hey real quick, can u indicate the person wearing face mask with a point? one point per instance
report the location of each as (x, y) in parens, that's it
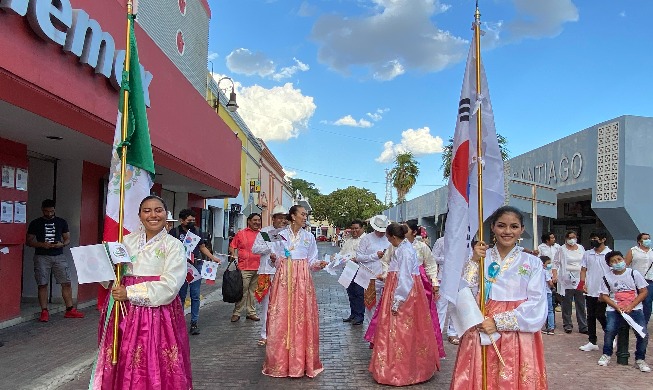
(593, 269)
(550, 318)
(187, 224)
(623, 290)
(567, 262)
(640, 258)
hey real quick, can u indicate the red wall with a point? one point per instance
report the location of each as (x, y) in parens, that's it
(92, 180)
(12, 236)
(40, 77)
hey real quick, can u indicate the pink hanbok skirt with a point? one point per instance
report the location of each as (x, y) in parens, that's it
(428, 290)
(405, 349)
(292, 314)
(522, 352)
(154, 352)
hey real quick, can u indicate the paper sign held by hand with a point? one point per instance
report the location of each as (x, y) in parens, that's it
(209, 270)
(118, 253)
(92, 264)
(190, 242)
(348, 274)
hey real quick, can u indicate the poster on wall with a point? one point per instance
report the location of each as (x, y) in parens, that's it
(20, 212)
(21, 179)
(7, 215)
(8, 176)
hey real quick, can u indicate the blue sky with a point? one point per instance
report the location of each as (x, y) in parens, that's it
(329, 83)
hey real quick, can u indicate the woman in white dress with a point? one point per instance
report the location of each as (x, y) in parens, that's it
(567, 262)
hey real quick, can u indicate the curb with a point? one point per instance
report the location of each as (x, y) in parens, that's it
(66, 373)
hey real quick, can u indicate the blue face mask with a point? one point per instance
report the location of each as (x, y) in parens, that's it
(549, 266)
(646, 243)
(620, 266)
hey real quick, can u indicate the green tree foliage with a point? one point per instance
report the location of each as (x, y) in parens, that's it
(344, 205)
(307, 189)
(447, 154)
(404, 175)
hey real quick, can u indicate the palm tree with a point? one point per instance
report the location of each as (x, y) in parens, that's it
(447, 154)
(404, 174)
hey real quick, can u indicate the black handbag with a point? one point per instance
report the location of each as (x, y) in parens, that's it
(232, 284)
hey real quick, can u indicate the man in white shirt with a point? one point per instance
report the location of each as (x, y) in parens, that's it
(549, 247)
(267, 268)
(369, 253)
(442, 304)
(593, 269)
(354, 291)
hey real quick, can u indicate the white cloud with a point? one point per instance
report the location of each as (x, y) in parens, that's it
(622, 14)
(399, 36)
(540, 19)
(348, 120)
(306, 9)
(389, 71)
(419, 142)
(378, 114)
(288, 71)
(212, 56)
(243, 61)
(275, 114)
(289, 174)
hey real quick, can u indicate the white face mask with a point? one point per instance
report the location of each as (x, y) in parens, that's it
(571, 242)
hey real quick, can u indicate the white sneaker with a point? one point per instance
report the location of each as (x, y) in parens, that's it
(589, 347)
(643, 367)
(605, 359)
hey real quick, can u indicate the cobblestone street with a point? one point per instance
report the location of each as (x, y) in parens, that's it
(226, 356)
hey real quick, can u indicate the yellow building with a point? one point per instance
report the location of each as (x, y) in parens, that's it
(228, 215)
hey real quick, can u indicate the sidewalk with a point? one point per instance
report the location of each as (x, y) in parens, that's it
(42, 356)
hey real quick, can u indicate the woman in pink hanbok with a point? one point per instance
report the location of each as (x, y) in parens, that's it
(153, 351)
(516, 307)
(293, 343)
(405, 348)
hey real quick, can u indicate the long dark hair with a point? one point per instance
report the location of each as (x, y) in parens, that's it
(293, 211)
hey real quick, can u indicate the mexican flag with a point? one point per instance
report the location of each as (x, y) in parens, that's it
(140, 162)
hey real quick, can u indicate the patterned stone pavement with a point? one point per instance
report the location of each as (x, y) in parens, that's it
(225, 355)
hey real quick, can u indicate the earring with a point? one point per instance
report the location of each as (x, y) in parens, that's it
(494, 240)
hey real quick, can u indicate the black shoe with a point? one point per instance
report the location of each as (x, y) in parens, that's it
(348, 319)
(583, 331)
(357, 322)
(194, 329)
(567, 330)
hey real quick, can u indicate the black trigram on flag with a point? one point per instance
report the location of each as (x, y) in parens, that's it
(464, 107)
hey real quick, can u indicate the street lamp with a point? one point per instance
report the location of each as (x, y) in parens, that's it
(231, 106)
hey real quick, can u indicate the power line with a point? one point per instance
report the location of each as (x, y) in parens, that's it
(358, 180)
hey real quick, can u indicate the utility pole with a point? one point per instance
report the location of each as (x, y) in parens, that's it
(388, 188)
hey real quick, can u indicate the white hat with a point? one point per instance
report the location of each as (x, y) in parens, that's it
(279, 209)
(379, 223)
(170, 219)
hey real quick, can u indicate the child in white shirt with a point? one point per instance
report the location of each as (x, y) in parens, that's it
(550, 319)
(623, 290)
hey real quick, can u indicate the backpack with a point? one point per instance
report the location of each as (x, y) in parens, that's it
(232, 284)
(608, 284)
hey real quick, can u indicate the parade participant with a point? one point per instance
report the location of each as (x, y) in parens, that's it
(154, 351)
(567, 262)
(515, 307)
(170, 221)
(48, 235)
(369, 253)
(240, 249)
(355, 292)
(550, 248)
(186, 225)
(442, 305)
(548, 279)
(293, 346)
(405, 348)
(266, 269)
(428, 270)
(623, 290)
(640, 258)
(593, 269)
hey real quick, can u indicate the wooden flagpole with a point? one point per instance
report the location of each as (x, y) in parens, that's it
(479, 169)
(123, 172)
